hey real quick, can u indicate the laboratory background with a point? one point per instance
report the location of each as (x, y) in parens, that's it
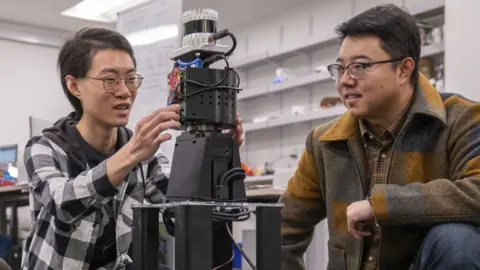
(283, 49)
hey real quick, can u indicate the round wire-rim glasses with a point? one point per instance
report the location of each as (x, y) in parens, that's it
(355, 70)
(111, 84)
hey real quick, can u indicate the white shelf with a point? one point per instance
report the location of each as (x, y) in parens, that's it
(434, 49)
(252, 92)
(264, 192)
(242, 61)
(292, 119)
(258, 178)
(290, 84)
(428, 8)
(429, 50)
(422, 8)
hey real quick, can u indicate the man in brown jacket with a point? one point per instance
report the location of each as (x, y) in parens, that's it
(398, 175)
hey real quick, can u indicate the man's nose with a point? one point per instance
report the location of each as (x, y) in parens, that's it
(123, 90)
(345, 79)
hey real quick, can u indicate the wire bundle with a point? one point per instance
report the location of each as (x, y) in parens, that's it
(208, 61)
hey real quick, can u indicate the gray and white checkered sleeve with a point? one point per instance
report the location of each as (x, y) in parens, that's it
(157, 179)
(67, 198)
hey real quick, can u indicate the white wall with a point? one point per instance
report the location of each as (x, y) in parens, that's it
(461, 48)
(30, 86)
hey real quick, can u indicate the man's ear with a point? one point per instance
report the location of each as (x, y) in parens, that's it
(72, 85)
(405, 69)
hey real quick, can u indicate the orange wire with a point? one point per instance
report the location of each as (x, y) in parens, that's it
(227, 262)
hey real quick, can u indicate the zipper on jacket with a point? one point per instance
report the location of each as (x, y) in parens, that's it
(400, 133)
(360, 255)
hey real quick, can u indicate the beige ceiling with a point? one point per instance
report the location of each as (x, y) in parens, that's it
(43, 13)
(47, 12)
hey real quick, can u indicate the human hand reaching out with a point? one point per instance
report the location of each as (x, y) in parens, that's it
(147, 135)
(359, 214)
(238, 132)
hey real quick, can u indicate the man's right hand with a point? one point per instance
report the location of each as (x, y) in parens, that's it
(147, 135)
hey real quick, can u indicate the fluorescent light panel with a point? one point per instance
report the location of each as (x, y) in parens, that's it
(100, 10)
(153, 35)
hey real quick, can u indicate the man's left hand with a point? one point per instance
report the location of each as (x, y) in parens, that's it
(358, 215)
(238, 132)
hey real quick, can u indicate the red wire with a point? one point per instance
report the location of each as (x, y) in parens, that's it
(227, 262)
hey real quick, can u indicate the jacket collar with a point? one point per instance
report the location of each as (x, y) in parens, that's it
(426, 101)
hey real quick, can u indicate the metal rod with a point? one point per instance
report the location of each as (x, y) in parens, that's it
(193, 238)
(146, 238)
(268, 238)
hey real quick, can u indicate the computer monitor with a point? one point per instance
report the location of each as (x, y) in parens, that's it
(8, 161)
(8, 154)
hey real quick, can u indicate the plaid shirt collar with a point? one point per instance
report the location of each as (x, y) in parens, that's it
(392, 131)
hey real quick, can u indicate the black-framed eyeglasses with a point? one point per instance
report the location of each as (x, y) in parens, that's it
(111, 84)
(355, 70)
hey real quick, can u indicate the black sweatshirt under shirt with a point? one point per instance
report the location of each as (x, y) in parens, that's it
(105, 248)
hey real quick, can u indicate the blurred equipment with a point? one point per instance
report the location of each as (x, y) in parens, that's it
(425, 66)
(430, 34)
(248, 170)
(425, 33)
(321, 69)
(439, 81)
(282, 176)
(282, 75)
(328, 102)
(8, 165)
(8, 154)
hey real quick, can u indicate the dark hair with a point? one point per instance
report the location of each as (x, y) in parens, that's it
(396, 29)
(76, 55)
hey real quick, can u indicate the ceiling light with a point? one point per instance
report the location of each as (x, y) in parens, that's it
(153, 35)
(101, 11)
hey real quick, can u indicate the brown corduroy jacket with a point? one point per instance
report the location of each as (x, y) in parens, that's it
(434, 177)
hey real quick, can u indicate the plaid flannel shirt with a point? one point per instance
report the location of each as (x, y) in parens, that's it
(379, 152)
(67, 210)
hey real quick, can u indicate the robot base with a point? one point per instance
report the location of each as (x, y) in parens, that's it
(194, 236)
(206, 166)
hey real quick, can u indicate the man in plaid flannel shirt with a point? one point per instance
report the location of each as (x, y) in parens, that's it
(88, 170)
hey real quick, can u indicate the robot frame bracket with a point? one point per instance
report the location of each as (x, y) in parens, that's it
(193, 238)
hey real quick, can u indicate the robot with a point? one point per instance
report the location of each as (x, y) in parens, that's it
(206, 191)
(206, 161)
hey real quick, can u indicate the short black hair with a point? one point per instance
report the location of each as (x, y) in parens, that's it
(396, 29)
(76, 55)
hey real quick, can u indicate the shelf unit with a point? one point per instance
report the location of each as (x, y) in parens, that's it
(292, 119)
(433, 49)
(309, 79)
(427, 51)
(431, 9)
(243, 62)
(283, 133)
(290, 84)
(259, 178)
